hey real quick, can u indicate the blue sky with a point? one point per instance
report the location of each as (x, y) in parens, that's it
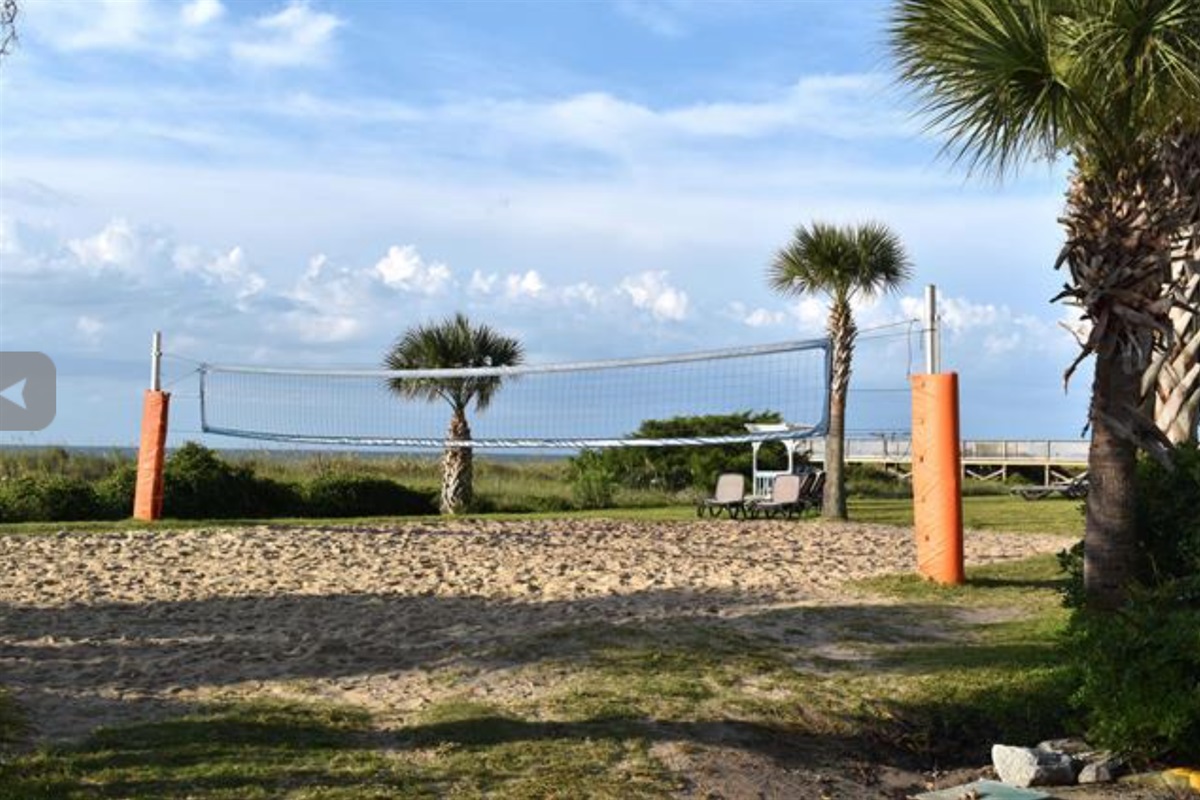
(297, 182)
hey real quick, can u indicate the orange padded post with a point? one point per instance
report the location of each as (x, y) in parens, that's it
(148, 499)
(937, 477)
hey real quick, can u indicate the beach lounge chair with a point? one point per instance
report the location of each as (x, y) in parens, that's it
(729, 497)
(1076, 488)
(785, 499)
(812, 494)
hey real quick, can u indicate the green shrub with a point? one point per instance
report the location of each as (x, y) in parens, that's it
(592, 481)
(1168, 514)
(114, 492)
(672, 469)
(1070, 561)
(363, 496)
(47, 498)
(200, 485)
(1139, 668)
(1139, 672)
(865, 480)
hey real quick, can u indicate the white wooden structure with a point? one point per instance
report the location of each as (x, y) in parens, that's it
(763, 480)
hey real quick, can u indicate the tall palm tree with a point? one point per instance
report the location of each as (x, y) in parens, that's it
(841, 263)
(453, 342)
(1106, 82)
(1173, 380)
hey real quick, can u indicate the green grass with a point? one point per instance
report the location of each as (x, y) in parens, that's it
(12, 722)
(985, 512)
(1000, 513)
(266, 750)
(1004, 679)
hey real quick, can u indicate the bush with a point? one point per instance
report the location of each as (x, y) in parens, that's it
(865, 480)
(672, 469)
(1168, 514)
(1139, 668)
(47, 498)
(363, 496)
(1139, 672)
(592, 481)
(114, 492)
(200, 485)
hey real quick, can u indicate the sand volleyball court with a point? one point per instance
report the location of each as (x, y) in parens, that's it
(107, 628)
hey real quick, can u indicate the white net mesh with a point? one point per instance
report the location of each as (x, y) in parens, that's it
(565, 406)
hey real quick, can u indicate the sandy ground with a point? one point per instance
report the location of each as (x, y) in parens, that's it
(106, 628)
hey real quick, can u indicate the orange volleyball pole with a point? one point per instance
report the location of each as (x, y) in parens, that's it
(148, 496)
(936, 461)
(937, 477)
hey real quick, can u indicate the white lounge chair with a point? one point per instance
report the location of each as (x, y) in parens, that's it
(729, 497)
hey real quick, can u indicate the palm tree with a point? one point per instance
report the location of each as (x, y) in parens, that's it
(453, 342)
(842, 263)
(1111, 83)
(1173, 378)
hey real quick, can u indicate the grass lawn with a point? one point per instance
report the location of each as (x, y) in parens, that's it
(986, 512)
(916, 676)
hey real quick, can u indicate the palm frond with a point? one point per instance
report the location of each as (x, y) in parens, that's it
(993, 76)
(1006, 81)
(840, 261)
(452, 343)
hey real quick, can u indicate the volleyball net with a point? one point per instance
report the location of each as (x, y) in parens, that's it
(593, 404)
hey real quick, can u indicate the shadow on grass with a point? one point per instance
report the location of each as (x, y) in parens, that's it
(271, 750)
(1049, 584)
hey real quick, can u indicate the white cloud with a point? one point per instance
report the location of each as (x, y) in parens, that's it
(123, 25)
(846, 106)
(995, 329)
(72, 25)
(584, 293)
(296, 36)
(119, 246)
(528, 285)
(650, 291)
(329, 303)
(229, 269)
(756, 318)
(404, 269)
(482, 284)
(811, 313)
(201, 12)
(761, 317)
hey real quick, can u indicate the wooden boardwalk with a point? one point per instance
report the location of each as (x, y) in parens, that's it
(984, 459)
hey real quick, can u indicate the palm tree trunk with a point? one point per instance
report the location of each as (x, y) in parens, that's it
(458, 468)
(1110, 537)
(841, 332)
(1119, 231)
(1173, 379)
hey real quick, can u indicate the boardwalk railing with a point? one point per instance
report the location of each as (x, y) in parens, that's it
(981, 458)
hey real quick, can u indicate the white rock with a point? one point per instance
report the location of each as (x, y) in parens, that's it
(1102, 771)
(1070, 746)
(1025, 766)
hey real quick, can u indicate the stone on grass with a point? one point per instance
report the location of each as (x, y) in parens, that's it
(1026, 766)
(1100, 768)
(1071, 746)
